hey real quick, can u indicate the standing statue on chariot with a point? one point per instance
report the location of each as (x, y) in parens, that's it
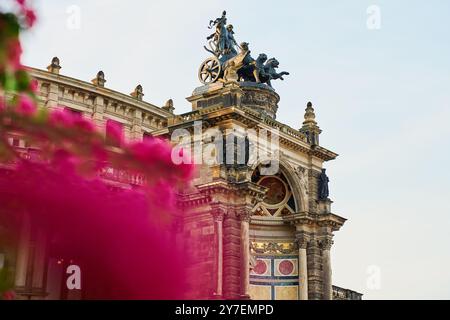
(231, 42)
(221, 42)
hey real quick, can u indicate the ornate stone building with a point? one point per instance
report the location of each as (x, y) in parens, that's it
(262, 236)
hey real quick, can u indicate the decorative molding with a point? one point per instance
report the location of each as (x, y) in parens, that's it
(218, 213)
(326, 243)
(302, 240)
(273, 247)
(243, 213)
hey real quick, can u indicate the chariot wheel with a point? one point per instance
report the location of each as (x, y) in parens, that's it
(209, 70)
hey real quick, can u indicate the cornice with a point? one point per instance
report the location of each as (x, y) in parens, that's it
(105, 92)
(288, 136)
(322, 220)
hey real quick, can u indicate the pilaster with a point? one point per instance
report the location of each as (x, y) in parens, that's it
(302, 242)
(314, 259)
(218, 216)
(325, 244)
(244, 214)
(232, 285)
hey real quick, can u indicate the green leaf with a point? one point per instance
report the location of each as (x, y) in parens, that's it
(22, 80)
(9, 82)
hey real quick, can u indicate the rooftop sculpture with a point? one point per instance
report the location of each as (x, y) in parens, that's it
(227, 64)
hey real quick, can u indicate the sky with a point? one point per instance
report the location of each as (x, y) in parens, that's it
(379, 84)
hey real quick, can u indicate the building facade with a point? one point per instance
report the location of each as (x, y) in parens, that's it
(261, 236)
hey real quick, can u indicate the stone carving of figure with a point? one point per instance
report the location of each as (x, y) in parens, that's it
(323, 186)
(232, 66)
(220, 36)
(231, 42)
(304, 183)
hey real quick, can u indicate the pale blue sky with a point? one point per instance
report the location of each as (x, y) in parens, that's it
(382, 98)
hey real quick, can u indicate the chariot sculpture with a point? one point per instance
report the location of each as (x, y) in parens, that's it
(227, 64)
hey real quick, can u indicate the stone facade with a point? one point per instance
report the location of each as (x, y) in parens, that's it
(290, 239)
(262, 237)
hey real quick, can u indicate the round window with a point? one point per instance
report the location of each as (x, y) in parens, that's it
(277, 190)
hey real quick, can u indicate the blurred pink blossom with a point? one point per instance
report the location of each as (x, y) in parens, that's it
(26, 105)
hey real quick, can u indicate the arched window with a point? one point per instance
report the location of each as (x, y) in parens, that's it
(279, 199)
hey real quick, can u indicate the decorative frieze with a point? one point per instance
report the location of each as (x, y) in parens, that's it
(273, 247)
(98, 102)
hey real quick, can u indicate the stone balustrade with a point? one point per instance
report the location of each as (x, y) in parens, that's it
(345, 294)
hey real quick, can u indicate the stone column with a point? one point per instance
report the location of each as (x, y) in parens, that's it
(302, 242)
(218, 215)
(315, 276)
(40, 257)
(31, 263)
(232, 274)
(325, 245)
(244, 216)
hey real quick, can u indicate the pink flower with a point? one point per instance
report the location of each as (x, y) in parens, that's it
(26, 105)
(66, 118)
(84, 124)
(33, 85)
(158, 152)
(93, 225)
(9, 295)
(64, 161)
(14, 50)
(114, 132)
(100, 156)
(61, 118)
(30, 17)
(151, 149)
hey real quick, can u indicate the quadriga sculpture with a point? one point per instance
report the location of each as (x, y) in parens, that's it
(227, 64)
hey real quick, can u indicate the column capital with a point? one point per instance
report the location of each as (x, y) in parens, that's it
(326, 243)
(218, 213)
(243, 214)
(302, 239)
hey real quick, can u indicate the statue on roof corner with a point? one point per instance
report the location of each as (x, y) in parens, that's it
(227, 64)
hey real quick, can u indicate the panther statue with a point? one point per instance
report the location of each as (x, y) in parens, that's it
(271, 73)
(261, 70)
